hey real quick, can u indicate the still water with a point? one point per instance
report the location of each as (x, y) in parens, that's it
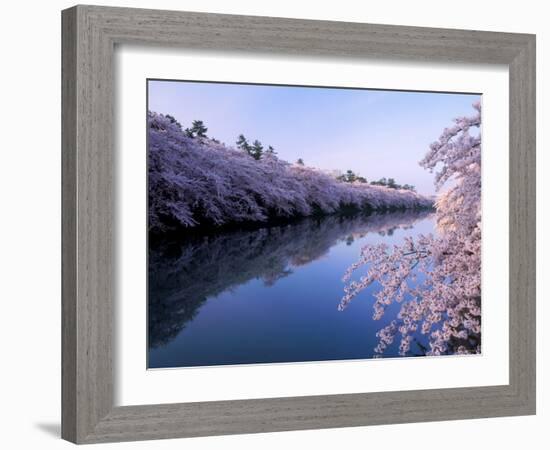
(271, 295)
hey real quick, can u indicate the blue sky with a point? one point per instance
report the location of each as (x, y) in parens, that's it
(374, 133)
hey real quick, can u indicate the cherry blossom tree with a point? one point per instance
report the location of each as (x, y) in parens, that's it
(436, 278)
(196, 181)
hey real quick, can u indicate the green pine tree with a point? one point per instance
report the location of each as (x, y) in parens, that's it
(257, 149)
(197, 129)
(172, 119)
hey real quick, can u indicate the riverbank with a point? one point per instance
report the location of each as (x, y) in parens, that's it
(179, 232)
(197, 181)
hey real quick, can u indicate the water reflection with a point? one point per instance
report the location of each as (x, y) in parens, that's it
(184, 275)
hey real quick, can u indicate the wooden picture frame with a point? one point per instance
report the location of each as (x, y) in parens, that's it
(90, 34)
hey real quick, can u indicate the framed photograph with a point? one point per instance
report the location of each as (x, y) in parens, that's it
(278, 224)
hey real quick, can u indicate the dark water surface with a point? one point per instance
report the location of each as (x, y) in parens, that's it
(270, 295)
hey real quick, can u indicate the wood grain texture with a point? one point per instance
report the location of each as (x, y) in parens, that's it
(68, 226)
(89, 36)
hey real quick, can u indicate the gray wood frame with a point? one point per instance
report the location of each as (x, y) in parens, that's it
(89, 36)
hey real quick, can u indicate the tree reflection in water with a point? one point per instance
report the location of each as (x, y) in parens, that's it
(184, 274)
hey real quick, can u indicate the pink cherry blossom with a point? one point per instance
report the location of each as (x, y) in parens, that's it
(446, 304)
(199, 181)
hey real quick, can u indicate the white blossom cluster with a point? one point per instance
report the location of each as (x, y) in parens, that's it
(446, 304)
(196, 180)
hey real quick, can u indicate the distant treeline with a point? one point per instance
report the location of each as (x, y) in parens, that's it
(351, 177)
(257, 150)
